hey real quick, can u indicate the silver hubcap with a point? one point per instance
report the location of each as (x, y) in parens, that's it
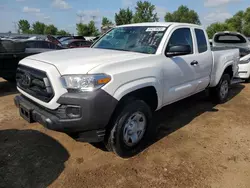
(134, 129)
(224, 89)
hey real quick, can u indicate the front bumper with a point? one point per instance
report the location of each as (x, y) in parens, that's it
(96, 109)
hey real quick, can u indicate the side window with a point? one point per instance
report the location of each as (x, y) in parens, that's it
(30, 44)
(51, 45)
(45, 44)
(201, 40)
(181, 36)
(78, 44)
(73, 44)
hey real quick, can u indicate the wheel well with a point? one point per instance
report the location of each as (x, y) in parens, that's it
(147, 94)
(229, 70)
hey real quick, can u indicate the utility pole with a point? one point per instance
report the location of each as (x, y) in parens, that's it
(81, 16)
(15, 26)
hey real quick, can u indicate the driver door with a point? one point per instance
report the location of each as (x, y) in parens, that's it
(179, 71)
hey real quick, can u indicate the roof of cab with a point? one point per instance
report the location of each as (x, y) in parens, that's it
(158, 24)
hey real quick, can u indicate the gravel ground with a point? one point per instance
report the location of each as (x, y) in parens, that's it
(198, 144)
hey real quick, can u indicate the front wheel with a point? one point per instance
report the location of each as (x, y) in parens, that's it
(220, 93)
(130, 129)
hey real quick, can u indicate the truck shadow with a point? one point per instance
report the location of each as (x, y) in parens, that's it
(7, 88)
(29, 158)
(175, 116)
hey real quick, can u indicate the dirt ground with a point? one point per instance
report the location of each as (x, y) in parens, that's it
(198, 144)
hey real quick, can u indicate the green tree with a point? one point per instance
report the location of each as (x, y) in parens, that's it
(106, 22)
(24, 26)
(145, 12)
(246, 27)
(124, 16)
(236, 22)
(217, 27)
(240, 22)
(183, 14)
(50, 30)
(87, 29)
(62, 32)
(82, 29)
(92, 30)
(38, 28)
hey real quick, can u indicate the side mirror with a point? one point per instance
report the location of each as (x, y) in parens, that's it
(178, 50)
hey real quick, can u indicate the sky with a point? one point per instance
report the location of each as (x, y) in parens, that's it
(64, 14)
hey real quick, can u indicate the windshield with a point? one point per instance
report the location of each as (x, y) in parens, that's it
(66, 42)
(141, 39)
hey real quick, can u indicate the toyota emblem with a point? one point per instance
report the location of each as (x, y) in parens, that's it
(26, 80)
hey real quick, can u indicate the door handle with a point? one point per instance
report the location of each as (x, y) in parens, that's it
(194, 63)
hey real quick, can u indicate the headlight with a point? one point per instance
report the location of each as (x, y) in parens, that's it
(85, 82)
(244, 61)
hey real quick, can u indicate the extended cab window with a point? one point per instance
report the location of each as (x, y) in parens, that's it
(181, 36)
(201, 40)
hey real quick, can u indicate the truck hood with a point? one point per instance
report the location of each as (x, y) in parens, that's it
(82, 60)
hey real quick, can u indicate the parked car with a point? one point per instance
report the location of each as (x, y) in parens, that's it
(11, 52)
(71, 37)
(107, 93)
(237, 40)
(61, 37)
(41, 44)
(65, 38)
(76, 43)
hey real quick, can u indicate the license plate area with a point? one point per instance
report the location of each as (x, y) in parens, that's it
(26, 112)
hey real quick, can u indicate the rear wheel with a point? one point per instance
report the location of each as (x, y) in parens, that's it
(130, 128)
(219, 94)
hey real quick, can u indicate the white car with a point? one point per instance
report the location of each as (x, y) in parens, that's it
(108, 93)
(244, 68)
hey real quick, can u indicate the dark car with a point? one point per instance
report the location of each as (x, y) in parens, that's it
(42, 44)
(11, 52)
(70, 38)
(77, 43)
(61, 37)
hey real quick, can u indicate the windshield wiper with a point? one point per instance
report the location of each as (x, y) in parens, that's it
(121, 50)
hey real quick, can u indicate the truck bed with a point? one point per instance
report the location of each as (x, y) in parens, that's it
(243, 51)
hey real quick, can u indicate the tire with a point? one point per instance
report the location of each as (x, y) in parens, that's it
(247, 80)
(219, 94)
(122, 139)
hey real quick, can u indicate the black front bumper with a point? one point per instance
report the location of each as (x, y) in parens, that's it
(96, 109)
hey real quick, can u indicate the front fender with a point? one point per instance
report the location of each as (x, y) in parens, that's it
(131, 86)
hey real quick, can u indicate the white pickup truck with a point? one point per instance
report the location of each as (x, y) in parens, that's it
(107, 93)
